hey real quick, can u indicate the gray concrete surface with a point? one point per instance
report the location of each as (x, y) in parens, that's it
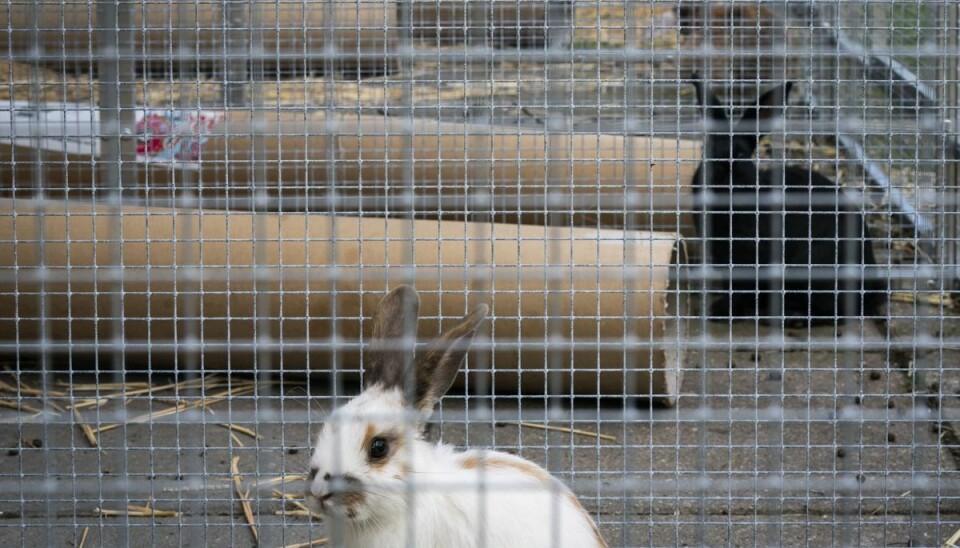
(642, 489)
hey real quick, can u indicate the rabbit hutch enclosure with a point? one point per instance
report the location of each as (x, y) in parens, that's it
(721, 314)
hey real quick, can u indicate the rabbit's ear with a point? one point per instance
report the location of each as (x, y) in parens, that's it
(393, 344)
(706, 98)
(438, 367)
(769, 105)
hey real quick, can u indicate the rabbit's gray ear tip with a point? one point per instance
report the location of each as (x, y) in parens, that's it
(405, 292)
(476, 316)
(479, 312)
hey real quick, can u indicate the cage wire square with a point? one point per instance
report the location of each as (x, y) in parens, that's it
(203, 204)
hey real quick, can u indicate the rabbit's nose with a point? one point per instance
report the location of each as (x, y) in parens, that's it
(321, 490)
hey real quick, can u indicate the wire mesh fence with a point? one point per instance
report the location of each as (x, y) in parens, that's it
(720, 314)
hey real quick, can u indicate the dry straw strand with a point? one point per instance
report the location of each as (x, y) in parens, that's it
(241, 429)
(183, 406)
(20, 406)
(564, 429)
(244, 497)
(86, 429)
(134, 511)
(318, 542)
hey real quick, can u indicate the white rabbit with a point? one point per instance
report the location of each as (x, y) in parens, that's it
(384, 485)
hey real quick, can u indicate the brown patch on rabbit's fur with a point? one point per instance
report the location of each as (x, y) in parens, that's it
(394, 439)
(351, 499)
(596, 532)
(368, 437)
(477, 460)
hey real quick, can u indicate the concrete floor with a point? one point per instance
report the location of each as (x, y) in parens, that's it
(811, 479)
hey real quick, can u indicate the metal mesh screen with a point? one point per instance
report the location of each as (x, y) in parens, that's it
(202, 204)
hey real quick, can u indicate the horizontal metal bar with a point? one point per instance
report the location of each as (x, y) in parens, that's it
(555, 197)
(913, 409)
(479, 53)
(232, 278)
(626, 344)
(679, 484)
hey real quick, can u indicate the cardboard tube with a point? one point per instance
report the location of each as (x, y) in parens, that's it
(609, 287)
(288, 27)
(529, 177)
(163, 27)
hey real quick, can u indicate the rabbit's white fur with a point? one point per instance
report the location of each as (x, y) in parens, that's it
(456, 496)
(424, 494)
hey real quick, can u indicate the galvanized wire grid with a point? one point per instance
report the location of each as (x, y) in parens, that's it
(151, 394)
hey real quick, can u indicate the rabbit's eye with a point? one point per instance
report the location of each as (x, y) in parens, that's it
(378, 448)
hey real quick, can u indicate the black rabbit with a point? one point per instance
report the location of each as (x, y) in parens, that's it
(783, 216)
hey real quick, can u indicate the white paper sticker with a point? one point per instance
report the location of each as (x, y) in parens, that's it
(167, 136)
